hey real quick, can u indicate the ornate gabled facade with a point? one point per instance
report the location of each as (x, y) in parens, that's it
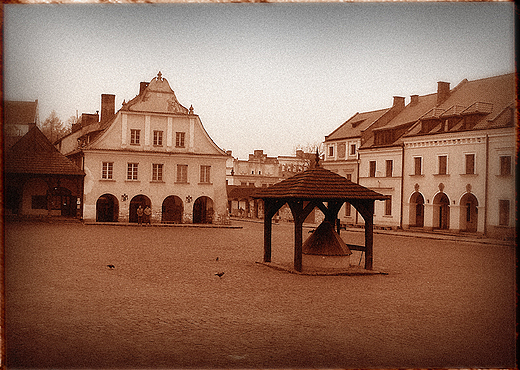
(152, 152)
(446, 161)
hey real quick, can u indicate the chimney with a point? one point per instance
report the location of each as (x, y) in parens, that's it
(108, 106)
(414, 99)
(143, 87)
(398, 103)
(443, 92)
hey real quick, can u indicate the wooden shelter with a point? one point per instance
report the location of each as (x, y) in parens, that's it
(317, 187)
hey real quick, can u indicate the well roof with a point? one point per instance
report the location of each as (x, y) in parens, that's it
(317, 183)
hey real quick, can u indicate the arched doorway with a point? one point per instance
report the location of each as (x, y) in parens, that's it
(469, 213)
(61, 200)
(138, 200)
(203, 210)
(172, 210)
(107, 208)
(416, 210)
(441, 214)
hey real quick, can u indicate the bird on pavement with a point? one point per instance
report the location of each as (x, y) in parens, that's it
(111, 266)
(219, 274)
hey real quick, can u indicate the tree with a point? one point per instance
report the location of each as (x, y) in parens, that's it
(310, 147)
(53, 128)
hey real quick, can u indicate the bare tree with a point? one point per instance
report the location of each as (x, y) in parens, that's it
(54, 128)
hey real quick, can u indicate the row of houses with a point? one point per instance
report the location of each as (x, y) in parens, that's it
(445, 161)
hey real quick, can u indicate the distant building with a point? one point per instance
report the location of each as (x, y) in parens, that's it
(243, 177)
(152, 152)
(446, 160)
(18, 118)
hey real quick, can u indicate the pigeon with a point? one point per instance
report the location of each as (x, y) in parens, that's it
(216, 259)
(219, 274)
(111, 266)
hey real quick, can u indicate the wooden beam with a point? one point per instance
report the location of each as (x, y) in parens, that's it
(271, 206)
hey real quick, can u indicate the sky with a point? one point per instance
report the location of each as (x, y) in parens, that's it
(260, 76)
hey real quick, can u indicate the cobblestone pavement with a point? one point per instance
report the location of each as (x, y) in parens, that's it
(444, 303)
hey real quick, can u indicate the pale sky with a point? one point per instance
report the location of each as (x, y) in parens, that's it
(260, 76)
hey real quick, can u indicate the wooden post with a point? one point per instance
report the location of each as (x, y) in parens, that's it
(268, 227)
(369, 236)
(297, 212)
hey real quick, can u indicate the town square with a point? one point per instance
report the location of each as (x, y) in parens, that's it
(259, 186)
(445, 302)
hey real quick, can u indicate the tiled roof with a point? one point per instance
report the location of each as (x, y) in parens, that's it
(20, 112)
(240, 192)
(356, 124)
(34, 154)
(317, 183)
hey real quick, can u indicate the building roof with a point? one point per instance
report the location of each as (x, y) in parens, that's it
(355, 125)
(491, 100)
(20, 112)
(34, 154)
(240, 192)
(317, 183)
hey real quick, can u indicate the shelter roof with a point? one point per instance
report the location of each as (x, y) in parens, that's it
(34, 154)
(240, 192)
(317, 183)
(355, 125)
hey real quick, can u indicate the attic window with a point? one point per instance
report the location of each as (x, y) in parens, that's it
(356, 123)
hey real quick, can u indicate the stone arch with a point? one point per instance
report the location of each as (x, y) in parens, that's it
(416, 212)
(138, 200)
(441, 211)
(469, 213)
(107, 208)
(172, 210)
(203, 210)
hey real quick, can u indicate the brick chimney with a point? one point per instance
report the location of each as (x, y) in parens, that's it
(108, 106)
(398, 103)
(414, 99)
(443, 92)
(143, 87)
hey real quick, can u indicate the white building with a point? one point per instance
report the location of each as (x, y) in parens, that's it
(152, 152)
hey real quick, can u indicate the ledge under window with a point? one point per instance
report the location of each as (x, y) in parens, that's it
(416, 175)
(157, 182)
(205, 183)
(107, 180)
(132, 180)
(469, 174)
(441, 174)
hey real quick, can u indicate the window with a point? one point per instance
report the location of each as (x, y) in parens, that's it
(108, 170)
(372, 169)
(179, 139)
(157, 138)
(505, 165)
(132, 171)
(388, 206)
(342, 149)
(503, 206)
(389, 167)
(331, 151)
(205, 174)
(443, 165)
(157, 172)
(470, 164)
(135, 137)
(352, 149)
(347, 209)
(182, 173)
(417, 165)
(349, 176)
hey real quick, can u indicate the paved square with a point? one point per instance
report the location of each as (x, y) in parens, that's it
(442, 304)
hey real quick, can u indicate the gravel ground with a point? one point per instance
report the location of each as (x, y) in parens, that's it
(443, 303)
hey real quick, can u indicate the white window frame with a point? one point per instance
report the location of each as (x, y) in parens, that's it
(107, 170)
(182, 174)
(180, 139)
(135, 137)
(439, 164)
(158, 138)
(132, 172)
(415, 167)
(205, 174)
(474, 163)
(157, 172)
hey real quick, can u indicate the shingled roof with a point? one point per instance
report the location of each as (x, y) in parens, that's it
(317, 183)
(34, 154)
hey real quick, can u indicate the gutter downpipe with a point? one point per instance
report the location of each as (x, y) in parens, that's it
(486, 186)
(357, 182)
(402, 187)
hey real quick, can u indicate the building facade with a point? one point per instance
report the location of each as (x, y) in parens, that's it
(446, 160)
(152, 152)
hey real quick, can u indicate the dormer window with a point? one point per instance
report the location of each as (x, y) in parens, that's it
(135, 137)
